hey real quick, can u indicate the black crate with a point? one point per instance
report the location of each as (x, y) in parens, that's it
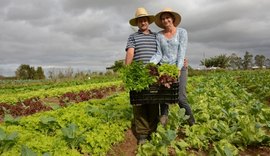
(156, 95)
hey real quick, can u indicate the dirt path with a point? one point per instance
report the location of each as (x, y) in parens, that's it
(128, 147)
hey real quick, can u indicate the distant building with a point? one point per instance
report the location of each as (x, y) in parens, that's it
(257, 67)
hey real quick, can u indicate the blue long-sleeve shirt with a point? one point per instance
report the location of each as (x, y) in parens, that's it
(173, 50)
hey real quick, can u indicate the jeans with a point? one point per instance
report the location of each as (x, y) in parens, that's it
(183, 103)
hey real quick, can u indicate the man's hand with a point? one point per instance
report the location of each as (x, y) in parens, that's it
(186, 63)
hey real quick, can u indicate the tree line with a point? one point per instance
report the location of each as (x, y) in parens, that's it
(26, 72)
(235, 62)
(222, 61)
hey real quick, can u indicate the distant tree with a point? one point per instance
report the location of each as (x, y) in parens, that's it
(260, 60)
(32, 73)
(247, 61)
(80, 75)
(108, 73)
(267, 63)
(235, 61)
(68, 73)
(117, 65)
(51, 74)
(207, 62)
(39, 73)
(60, 75)
(23, 72)
(221, 61)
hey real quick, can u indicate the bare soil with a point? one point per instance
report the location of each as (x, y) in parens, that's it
(128, 147)
(255, 151)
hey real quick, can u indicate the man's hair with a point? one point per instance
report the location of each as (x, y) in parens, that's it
(142, 17)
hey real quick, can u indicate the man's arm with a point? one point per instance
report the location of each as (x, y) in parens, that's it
(129, 56)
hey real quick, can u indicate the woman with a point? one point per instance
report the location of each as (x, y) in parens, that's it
(171, 48)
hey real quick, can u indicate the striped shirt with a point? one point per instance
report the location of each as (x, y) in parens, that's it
(144, 45)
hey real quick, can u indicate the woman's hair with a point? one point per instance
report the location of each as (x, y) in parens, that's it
(172, 16)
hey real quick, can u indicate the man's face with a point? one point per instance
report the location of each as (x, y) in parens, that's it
(142, 23)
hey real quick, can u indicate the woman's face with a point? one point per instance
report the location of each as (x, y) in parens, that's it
(167, 19)
(143, 23)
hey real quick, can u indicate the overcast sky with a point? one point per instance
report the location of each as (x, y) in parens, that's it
(92, 34)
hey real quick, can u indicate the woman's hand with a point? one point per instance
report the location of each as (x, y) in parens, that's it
(186, 63)
(179, 73)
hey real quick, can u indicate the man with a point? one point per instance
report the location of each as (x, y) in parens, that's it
(141, 46)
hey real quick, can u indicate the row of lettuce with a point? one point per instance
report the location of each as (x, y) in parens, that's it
(19, 85)
(256, 82)
(18, 96)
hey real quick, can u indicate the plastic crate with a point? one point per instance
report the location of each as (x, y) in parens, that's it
(156, 94)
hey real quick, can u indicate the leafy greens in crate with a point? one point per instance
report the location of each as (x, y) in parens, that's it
(138, 76)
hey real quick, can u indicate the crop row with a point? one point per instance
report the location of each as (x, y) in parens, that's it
(43, 93)
(256, 82)
(28, 85)
(34, 105)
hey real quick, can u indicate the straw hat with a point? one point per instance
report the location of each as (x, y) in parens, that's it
(177, 17)
(141, 12)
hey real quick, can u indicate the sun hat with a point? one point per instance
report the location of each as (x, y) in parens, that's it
(177, 17)
(141, 12)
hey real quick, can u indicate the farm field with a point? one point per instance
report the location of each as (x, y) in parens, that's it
(231, 108)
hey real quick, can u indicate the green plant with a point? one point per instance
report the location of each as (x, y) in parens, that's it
(136, 76)
(72, 136)
(7, 140)
(9, 119)
(48, 125)
(168, 69)
(25, 151)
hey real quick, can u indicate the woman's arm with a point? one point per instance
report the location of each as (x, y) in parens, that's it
(182, 47)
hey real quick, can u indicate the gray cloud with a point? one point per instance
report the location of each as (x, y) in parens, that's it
(92, 34)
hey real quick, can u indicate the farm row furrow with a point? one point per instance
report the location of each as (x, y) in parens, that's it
(44, 93)
(35, 105)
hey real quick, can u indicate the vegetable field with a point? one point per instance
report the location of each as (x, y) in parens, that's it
(231, 108)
